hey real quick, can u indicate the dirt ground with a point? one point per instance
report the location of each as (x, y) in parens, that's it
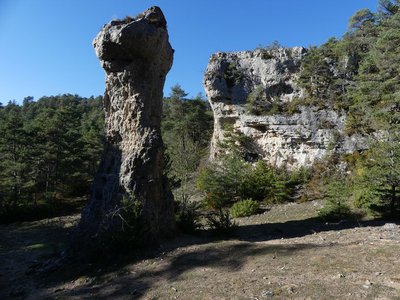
(285, 253)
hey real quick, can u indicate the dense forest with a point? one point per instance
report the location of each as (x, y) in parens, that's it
(49, 149)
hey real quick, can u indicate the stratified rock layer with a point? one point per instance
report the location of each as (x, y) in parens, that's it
(136, 55)
(289, 140)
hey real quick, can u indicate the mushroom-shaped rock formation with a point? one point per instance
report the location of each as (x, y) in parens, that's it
(136, 56)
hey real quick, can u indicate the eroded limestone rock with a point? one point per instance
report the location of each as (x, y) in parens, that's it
(136, 56)
(290, 140)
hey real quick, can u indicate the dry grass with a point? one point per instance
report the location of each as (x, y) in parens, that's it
(283, 254)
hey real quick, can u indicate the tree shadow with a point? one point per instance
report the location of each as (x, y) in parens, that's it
(133, 284)
(25, 248)
(204, 251)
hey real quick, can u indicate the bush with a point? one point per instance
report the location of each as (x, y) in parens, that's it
(221, 181)
(220, 222)
(336, 208)
(335, 211)
(187, 216)
(322, 172)
(232, 75)
(256, 102)
(129, 230)
(233, 179)
(244, 208)
(271, 185)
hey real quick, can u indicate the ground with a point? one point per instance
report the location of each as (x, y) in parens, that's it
(284, 253)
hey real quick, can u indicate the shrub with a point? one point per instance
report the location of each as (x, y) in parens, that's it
(271, 185)
(335, 211)
(322, 172)
(233, 75)
(244, 208)
(188, 215)
(256, 102)
(336, 208)
(221, 181)
(127, 229)
(233, 179)
(220, 222)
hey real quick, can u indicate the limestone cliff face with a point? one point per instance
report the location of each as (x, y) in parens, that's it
(232, 80)
(136, 56)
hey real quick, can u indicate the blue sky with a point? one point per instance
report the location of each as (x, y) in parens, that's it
(45, 45)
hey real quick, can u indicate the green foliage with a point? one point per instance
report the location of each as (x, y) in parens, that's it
(361, 19)
(129, 214)
(190, 117)
(326, 73)
(263, 183)
(127, 231)
(256, 103)
(378, 177)
(221, 182)
(49, 150)
(321, 174)
(374, 109)
(186, 127)
(388, 8)
(232, 179)
(188, 215)
(221, 223)
(244, 208)
(272, 185)
(336, 207)
(335, 211)
(268, 51)
(233, 75)
(235, 142)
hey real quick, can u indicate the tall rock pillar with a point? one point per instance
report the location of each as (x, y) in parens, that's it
(136, 56)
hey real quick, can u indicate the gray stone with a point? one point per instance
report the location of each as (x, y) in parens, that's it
(390, 226)
(280, 139)
(136, 56)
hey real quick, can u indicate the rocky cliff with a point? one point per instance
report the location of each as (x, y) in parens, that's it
(246, 88)
(136, 56)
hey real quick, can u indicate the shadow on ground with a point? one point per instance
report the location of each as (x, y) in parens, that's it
(173, 260)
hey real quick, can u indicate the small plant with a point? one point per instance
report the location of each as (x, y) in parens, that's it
(233, 75)
(220, 222)
(256, 103)
(336, 208)
(187, 215)
(244, 208)
(128, 19)
(220, 182)
(335, 211)
(129, 229)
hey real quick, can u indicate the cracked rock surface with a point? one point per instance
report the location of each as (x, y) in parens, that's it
(289, 140)
(136, 56)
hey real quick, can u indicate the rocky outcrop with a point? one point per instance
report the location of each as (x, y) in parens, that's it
(136, 56)
(265, 79)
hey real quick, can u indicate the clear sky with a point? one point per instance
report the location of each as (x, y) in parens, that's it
(45, 45)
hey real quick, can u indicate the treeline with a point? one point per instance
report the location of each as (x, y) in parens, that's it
(187, 127)
(49, 150)
(360, 75)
